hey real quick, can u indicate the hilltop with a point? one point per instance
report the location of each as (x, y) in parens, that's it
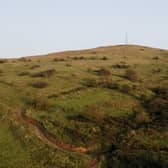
(102, 107)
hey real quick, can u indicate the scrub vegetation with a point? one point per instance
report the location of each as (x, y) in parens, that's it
(99, 108)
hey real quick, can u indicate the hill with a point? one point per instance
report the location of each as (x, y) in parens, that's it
(102, 107)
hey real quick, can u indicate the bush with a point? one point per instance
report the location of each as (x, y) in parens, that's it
(58, 59)
(121, 66)
(25, 73)
(110, 84)
(39, 84)
(2, 61)
(131, 75)
(91, 82)
(45, 74)
(103, 72)
(23, 59)
(126, 88)
(157, 105)
(39, 102)
(161, 91)
(104, 58)
(35, 66)
(142, 117)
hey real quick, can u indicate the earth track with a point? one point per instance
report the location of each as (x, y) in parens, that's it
(52, 140)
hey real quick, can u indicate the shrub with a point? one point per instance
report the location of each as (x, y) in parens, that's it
(110, 84)
(155, 58)
(121, 66)
(103, 72)
(38, 102)
(91, 82)
(25, 73)
(131, 75)
(142, 117)
(2, 61)
(23, 59)
(39, 84)
(68, 65)
(126, 88)
(161, 91)
(58, 59)
(157, 105)
(104, 58)
(35, 66)
(45, 74)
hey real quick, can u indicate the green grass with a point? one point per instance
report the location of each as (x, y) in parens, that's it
(95, 117)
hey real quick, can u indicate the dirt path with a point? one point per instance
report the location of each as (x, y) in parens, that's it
(52, 140)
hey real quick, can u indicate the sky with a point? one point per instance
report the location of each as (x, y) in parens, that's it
(34, 27)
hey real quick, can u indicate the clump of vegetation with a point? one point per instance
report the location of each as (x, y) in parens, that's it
(121, 66)
(25, 73)
(39, 84)
(23, 59)
(58, 59)
(104, 58)
(68, 65)
(131, 75)
(90, 82)
(38, 102)
(35, 66)
(109, 83)
(103, 72)
(2, 61)
(45, 74)
(156, 58)
(126, 88)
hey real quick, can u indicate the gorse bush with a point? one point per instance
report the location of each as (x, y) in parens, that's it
(103, 72)
(90, 82)
(2, 61)
(35, 66)
(25, 73)
(38, 102)
(58, 59)
(39, 84)
(131, 75)
(121, 66)
(125, 88)
(45, 74)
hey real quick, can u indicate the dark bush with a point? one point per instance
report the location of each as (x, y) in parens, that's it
(156, 105)
(45, 74)
(58, 59)
(104, 58)
(103, 72)
(2, 61)
(161, 91)
(110, 84)
(131, 75)
(39, 84)
(35, 66)
(38, 102)
(90, 82)
(155, 58)
(121, 66)
(125, 88)
(23, 59)
(25, 73)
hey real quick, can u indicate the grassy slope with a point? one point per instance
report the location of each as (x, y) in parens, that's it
(70, 73)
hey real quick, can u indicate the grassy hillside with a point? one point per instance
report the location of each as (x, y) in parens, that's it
(103, 107)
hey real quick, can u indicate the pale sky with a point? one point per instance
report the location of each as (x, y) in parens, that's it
(32, 27)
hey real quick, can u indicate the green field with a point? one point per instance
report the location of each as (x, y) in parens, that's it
(111, 103)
